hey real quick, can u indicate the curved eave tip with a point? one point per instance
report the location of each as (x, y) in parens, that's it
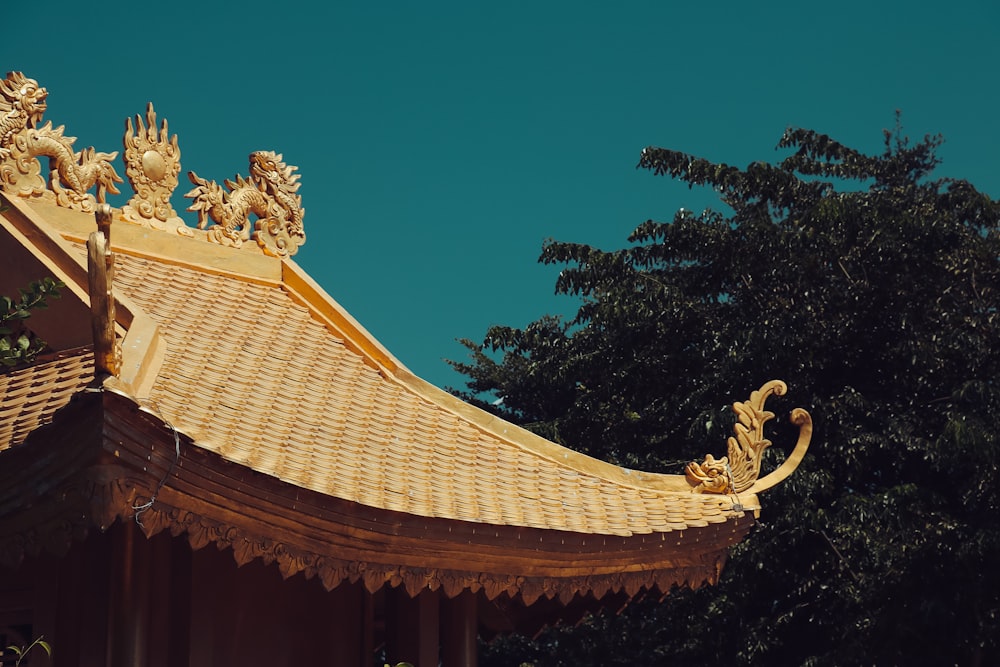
(803, 420)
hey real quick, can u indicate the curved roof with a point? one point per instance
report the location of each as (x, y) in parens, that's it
(286, 407)
(257, 378)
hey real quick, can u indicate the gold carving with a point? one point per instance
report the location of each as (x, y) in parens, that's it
(152, 163)
(152, 159)
(739, 469)
(23, 142)
(270, 194)
(22, 105)
(101, 275)
(709, 476)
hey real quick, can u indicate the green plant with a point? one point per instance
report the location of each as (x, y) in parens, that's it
(18, 344)
(22, 651)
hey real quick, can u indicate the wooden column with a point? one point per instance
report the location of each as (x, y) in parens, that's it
(459, 630)
(412, 627)
(367, 637)
(170, 601)
(128, 620)
(348, 624)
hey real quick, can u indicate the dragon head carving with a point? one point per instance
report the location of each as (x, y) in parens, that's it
(270, 174)
(24, 97)
(738, 471)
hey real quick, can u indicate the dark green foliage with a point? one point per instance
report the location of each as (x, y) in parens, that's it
(18, 345)
(872, 288)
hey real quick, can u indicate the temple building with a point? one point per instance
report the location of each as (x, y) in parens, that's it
(212, 463)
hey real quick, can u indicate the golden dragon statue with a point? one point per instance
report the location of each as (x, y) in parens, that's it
(271, 194)
(23, 141)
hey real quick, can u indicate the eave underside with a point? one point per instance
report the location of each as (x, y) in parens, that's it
(98, 469)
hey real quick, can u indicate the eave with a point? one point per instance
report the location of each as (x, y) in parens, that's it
(111, 467)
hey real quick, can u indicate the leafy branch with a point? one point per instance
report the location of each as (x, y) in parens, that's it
(19, 345)
(21, 652)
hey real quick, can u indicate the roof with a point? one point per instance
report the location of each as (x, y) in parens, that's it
(250, 410)
(32, 394)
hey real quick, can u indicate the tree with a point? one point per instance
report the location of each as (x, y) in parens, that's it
(872, 288)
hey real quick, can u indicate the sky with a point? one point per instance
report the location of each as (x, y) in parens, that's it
(439, 144)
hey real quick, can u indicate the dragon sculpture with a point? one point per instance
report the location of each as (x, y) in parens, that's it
(22, 142)
(738, 471)
(270, 194)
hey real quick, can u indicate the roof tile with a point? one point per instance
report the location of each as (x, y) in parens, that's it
(280, 392)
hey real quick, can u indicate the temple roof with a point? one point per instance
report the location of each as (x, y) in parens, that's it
(248, 405)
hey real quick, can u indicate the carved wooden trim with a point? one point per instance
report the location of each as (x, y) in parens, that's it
(106, 497)
(332, 571)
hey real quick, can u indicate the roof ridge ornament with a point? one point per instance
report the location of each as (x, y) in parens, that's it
(23, 141)
(738, 471)
(271, 193)
(152, 163)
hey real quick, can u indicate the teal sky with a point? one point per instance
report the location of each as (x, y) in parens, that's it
(440, 143)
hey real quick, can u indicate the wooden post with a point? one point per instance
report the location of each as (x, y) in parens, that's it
(412, 627)
(128, 626)
(100, 270)
(459, 621)
(347, 624)
(367, 637)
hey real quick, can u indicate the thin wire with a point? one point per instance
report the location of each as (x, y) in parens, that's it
(141, 509)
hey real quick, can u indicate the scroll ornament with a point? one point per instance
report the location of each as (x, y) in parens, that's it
(738, 471)
(23, 142)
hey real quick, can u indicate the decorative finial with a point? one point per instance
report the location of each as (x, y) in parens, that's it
(101, 273)
(153, 162)
(738, 471)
